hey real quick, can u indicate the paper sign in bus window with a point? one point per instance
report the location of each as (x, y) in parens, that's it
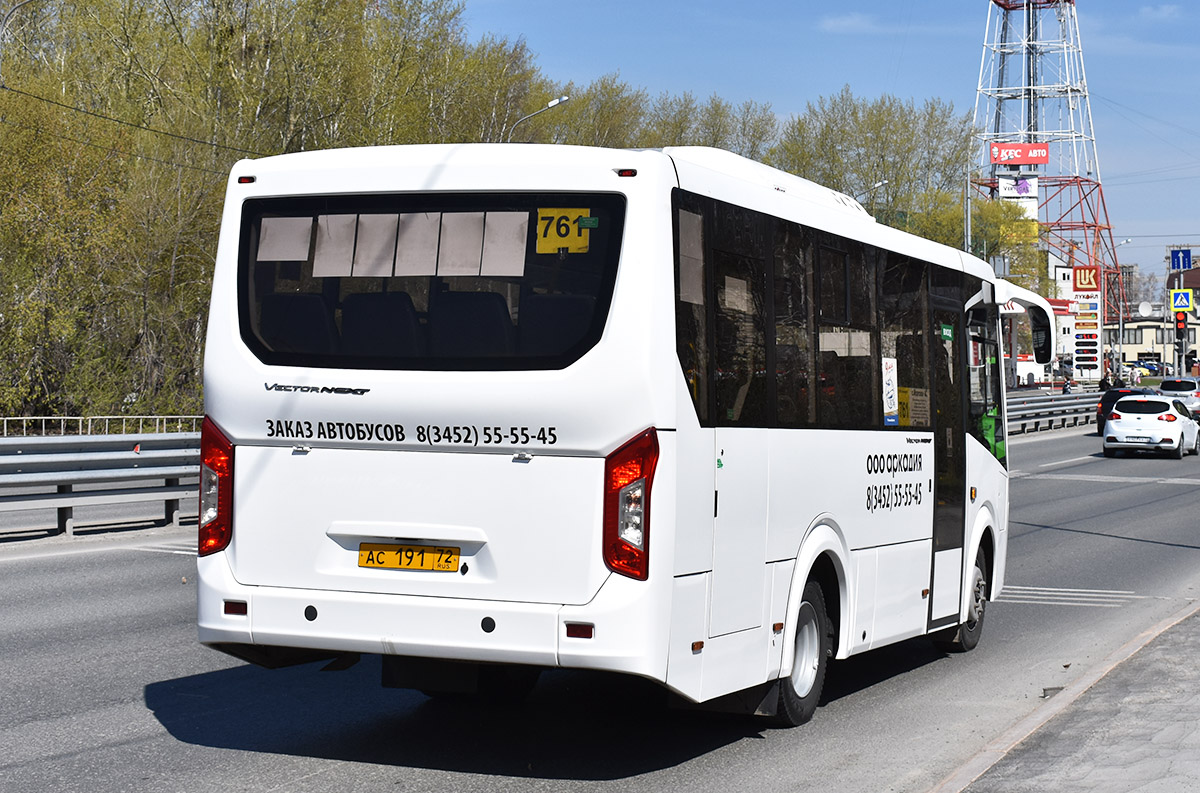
(504, 237)
(461, 248)
(736, 295)
(335, 245)
(891, 395)
(566, 229)
(691, 258)
(285, 239)
(375, 248)
(417, 243)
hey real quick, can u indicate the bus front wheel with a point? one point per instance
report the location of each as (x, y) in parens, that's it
(966, 636)
(800, 692)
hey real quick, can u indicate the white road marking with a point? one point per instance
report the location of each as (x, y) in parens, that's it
(182, 546)
(1123, 480)
(165, 550)
(1057, 596)
(1064, 462)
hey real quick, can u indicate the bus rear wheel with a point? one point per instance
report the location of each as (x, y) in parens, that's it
(800, 692)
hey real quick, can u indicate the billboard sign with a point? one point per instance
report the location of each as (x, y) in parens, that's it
(1019, 153)
(1009, 187)
(1086, 277)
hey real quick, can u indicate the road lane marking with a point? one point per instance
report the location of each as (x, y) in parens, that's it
(1124, 480)
(165, 550)
(183, 547)
(1058, 596)
(1064, 462)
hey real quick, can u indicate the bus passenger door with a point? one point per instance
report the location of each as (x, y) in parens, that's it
(949, 457)
(742, 412)
(739, 530)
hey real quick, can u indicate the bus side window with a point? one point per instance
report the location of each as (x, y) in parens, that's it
(795, 396)
(741, 341)
(850, 395)
(691, 311)
(986, 420)
(903, 318)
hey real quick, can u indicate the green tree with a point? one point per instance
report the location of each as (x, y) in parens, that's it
(852, 145)
(123, 118)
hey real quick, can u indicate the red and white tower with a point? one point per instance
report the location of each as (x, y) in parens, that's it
(1040, 150)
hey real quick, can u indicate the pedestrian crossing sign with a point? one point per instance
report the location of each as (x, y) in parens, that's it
(1181, 300)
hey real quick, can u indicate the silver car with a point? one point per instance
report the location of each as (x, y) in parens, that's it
(1151, 423)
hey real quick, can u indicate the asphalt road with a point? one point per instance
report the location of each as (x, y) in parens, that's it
(105, 688)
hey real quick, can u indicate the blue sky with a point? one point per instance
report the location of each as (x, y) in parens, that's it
(1143, 74)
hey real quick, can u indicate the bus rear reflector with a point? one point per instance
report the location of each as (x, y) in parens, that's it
(628, 477)
(216, 489)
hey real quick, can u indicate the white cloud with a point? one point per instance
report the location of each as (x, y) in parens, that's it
(1161, 13)
(850, 23)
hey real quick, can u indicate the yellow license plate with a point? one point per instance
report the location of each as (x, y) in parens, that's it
(439, 559)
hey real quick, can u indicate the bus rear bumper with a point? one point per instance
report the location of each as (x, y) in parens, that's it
(333, 623)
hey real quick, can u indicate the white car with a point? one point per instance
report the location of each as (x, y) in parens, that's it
(1151, 423)
(1187, 390)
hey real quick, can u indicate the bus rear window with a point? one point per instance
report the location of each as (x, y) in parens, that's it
(428, 281)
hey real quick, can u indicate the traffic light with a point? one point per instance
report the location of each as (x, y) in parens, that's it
(1181, 326)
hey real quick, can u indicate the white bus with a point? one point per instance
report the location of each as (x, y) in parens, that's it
(490, 409)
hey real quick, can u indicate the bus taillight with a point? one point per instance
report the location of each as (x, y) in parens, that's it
(216, 489)
(628, 476)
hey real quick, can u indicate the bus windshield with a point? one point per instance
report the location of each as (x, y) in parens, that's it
(428, 281)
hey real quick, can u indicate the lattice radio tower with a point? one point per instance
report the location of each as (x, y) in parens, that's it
(1032, 90)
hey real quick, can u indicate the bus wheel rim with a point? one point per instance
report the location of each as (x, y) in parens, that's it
(978, 599)
(808, 651)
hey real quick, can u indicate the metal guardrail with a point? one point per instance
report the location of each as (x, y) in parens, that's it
(23, 426)
(64, 472)
(133, 465)
(1041, 412)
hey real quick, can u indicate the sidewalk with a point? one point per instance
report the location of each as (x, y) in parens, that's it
(1135, 729)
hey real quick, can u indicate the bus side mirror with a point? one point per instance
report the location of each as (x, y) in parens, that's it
(1043, 334)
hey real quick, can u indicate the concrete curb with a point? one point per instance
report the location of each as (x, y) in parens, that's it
(995, 751)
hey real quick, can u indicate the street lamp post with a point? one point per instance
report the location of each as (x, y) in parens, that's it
(870, 190)
(550, 104)
(1120, 308)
